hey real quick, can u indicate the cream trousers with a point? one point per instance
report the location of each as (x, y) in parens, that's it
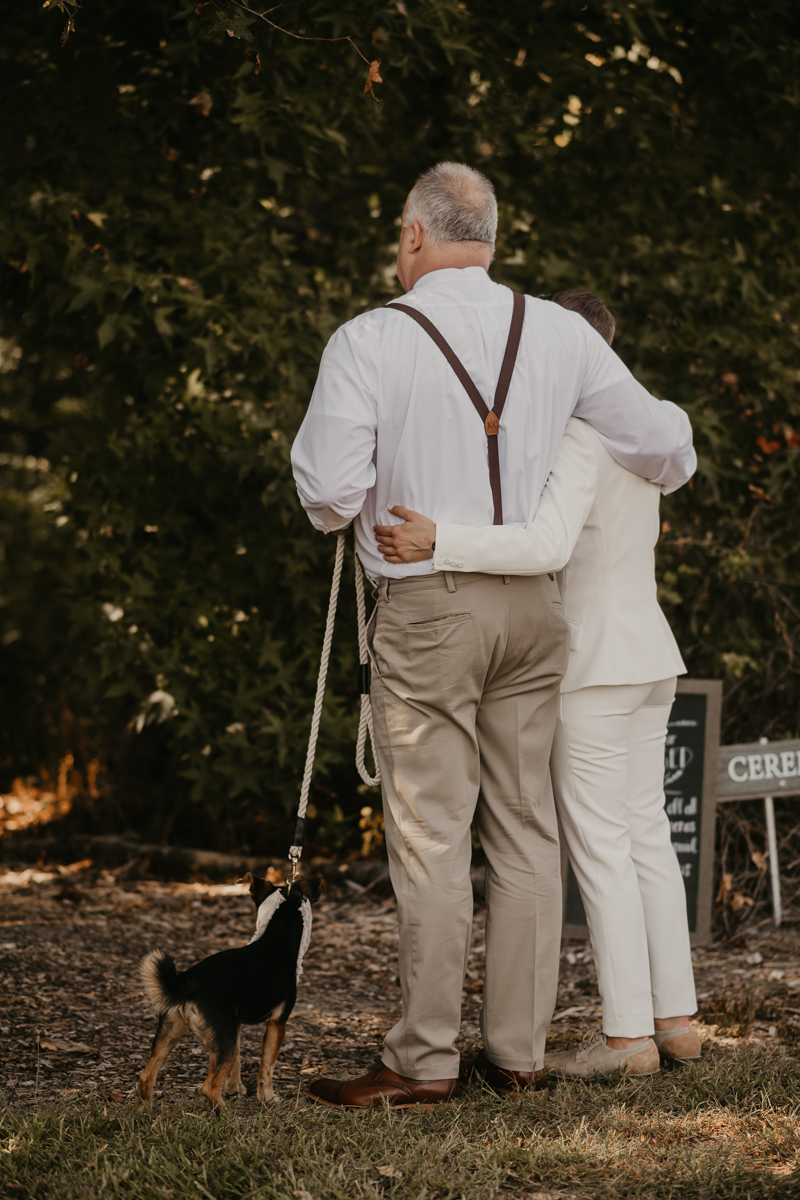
(608, 776)
(466, 672)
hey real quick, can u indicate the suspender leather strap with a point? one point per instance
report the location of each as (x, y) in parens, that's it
(490, 418)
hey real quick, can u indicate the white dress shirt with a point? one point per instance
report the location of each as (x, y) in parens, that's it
(389, 423)
(602, 522)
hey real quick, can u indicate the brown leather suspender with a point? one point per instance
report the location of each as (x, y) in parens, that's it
(491, 419)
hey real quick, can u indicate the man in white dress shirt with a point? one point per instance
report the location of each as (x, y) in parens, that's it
(467, 667)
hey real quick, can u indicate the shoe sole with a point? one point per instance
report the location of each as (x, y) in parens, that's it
(426, 1106)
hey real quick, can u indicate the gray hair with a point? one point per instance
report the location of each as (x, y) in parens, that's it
(453, 203)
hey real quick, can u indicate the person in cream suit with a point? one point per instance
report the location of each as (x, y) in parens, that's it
(598, 524)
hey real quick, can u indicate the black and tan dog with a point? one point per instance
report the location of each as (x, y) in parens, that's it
(245, 986)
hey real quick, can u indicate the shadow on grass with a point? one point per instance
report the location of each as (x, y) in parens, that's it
(728, 1126)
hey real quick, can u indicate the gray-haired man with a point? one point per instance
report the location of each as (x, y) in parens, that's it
(466, 668)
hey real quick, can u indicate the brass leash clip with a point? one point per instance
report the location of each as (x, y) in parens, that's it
(294, 859)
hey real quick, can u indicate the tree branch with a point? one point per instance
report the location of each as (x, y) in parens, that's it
(299, 36)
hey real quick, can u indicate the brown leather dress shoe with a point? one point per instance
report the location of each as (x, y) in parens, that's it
(501, 1079)
(380, 1083)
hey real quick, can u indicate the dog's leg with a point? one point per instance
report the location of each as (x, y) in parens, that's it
(234, 1085)
(221, 1040)
(218, 1072)
(273, 1040)
(171, 1027)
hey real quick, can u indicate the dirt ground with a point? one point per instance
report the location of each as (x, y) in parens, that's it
(74, 1023)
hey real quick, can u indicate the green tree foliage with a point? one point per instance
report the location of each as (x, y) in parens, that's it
(189, 214)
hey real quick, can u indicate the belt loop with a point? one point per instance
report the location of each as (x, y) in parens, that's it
(383, 590)
(506, 579)
(451, 583)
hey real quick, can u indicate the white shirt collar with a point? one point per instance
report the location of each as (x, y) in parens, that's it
(453, 280)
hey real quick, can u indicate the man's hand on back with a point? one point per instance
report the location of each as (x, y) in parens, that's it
(407, 543)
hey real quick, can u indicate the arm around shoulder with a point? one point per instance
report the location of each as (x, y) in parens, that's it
(652, 438)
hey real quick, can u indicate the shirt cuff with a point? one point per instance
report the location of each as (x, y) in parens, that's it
(669, 481)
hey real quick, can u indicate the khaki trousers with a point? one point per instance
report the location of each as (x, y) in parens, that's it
(466, 672)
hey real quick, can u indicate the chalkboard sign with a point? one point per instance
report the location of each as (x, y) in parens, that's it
(690, 770)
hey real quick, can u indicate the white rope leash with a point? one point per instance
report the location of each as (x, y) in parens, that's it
(365, 716)
(323, 673)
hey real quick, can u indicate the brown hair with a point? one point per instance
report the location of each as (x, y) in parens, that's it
(589, 307)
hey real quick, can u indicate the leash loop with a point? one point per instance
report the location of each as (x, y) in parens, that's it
(365, 716)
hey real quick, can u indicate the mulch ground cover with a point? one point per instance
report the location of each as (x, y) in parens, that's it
(76, 1034)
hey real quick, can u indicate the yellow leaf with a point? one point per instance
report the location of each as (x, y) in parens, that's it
(97, 218)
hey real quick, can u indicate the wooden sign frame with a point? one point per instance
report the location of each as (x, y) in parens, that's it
(700, 935)
(754, 769)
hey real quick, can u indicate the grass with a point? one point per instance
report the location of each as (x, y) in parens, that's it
(729, 1127)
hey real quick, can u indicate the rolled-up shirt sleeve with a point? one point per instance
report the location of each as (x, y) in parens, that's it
(652, 438)
(333, 456)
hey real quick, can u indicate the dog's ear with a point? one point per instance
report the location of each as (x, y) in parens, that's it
(311, 887)
(259, 888)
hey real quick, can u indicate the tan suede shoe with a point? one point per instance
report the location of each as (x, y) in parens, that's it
(381, 1084)
(594, 1057)
(679, 1045)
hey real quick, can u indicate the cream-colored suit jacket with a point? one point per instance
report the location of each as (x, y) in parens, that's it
(598, 524)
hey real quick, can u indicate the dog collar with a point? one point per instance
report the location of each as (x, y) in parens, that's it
(266, 911)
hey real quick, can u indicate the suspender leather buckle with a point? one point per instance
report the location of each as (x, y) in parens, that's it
(491, 424)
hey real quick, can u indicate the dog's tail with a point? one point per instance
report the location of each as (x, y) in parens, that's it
(163, 986)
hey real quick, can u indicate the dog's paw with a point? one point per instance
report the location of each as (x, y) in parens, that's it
(267, 1094)
(214, 1101)
(236, 1090)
